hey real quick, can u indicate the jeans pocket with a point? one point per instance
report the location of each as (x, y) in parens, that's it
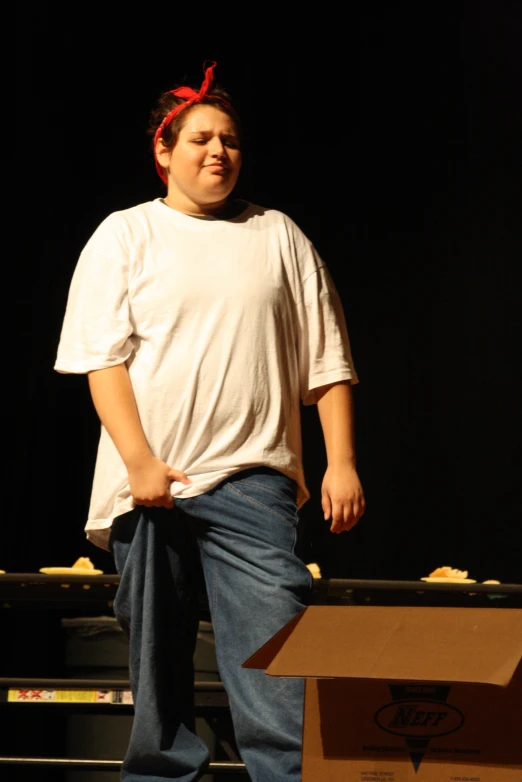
(270, 492)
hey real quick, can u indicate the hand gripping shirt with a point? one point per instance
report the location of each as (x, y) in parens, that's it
(226, 326)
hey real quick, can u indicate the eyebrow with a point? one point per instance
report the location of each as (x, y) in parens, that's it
(208, 132)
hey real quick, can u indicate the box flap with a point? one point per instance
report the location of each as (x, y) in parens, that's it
(481, 645)
(266, 653)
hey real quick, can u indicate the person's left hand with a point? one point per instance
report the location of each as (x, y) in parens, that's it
(342, 497)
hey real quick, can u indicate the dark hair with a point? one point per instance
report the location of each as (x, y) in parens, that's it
(168, 101)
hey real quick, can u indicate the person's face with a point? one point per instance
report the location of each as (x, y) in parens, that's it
(203, 166)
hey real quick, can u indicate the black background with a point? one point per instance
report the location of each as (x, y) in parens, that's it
(391, 133)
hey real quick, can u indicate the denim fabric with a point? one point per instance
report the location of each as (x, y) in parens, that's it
(243, 534)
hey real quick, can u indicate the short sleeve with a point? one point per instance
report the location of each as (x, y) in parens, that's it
(96, 330)
(324, 352)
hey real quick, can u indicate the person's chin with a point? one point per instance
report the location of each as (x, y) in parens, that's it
(219, 192)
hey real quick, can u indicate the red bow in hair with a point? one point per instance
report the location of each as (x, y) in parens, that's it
(191, 97)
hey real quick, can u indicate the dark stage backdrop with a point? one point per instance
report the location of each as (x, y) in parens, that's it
(392, 137)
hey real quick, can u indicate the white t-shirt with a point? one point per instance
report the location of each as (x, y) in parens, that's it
(225, 326)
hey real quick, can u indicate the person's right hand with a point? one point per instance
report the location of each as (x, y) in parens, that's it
(149, 482)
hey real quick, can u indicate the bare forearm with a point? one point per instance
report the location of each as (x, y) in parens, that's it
(114, 401)
(335, 408)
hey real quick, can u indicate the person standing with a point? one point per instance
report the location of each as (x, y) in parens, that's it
(202, 322)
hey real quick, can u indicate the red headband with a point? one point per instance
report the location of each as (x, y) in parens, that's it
(191, 97)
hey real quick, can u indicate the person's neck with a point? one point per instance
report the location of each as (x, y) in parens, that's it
(199, 210)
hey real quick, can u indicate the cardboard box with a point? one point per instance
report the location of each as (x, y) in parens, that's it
(405, 694)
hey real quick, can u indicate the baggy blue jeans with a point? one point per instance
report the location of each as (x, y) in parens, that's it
(242, 535)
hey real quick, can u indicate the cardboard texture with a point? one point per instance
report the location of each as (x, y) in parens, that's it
(405, 694)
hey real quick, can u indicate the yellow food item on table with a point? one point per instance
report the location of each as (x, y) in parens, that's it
(448, 572)
(314, 569)
(84, 563)
(82, 567)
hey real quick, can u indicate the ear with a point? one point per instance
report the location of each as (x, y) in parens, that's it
(163, 153)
